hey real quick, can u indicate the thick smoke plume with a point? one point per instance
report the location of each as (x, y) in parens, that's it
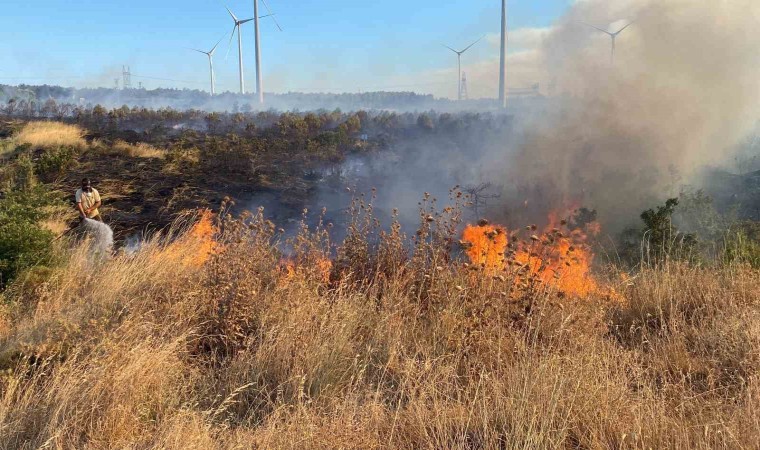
(682, 93)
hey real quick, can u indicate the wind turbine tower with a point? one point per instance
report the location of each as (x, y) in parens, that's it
(503, 60)
(240, 45)
(613, 36)
(459, 65)
(259, 82)
(256, 17)
(463, 92)
(210, 55)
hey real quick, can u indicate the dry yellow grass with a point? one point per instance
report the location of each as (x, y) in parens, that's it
(51, 134)
(139, 150)
(138, 353)
(56, 226)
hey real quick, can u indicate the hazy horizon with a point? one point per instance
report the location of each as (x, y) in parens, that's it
(334, 46)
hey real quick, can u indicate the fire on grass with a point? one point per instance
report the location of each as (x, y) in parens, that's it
(559, 255)
(291, 270)
(198, 245)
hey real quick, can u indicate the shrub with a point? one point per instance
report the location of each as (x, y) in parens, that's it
(23, 242)
(54, 162)
(659, 239)
(742, 245)
(19, 174)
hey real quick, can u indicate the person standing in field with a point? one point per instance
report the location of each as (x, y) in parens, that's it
(88, 201)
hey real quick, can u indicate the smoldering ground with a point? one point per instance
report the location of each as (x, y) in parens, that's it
(433, 153)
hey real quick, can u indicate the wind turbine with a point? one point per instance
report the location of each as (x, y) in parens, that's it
(613, 36)
(459, 64)
(240, 45)
(259, 81)
(210, 55)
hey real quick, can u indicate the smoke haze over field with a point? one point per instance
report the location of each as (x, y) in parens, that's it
(682, 94)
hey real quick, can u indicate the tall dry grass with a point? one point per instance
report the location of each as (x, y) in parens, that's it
(138, 150)
(51, 134)
(399, 348)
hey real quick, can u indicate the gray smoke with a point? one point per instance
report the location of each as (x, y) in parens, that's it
(683, 93)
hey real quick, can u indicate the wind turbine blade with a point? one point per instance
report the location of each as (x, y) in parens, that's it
(215, 46)
(233, 16)
(275, 22)
(597, 28)
(196, 50)
(450, 48)
(621, 30)
(274, 19)
(244, 21)
(229, 46)
(266, 5)
(481, 38)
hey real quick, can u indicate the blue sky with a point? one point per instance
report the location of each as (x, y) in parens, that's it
(326, 45)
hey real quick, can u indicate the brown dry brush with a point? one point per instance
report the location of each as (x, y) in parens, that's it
(401, 346)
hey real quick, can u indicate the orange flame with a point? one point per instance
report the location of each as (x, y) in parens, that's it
(485, 245)
(292, 270)
(197, 245)
(554, 257)
(203, 233)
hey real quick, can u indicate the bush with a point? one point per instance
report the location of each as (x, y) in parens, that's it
(742, 245)
(54, 162)
(23, 242)
(659, 239)
(19, 174)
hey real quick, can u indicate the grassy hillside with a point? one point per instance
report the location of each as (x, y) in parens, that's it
(220, 340)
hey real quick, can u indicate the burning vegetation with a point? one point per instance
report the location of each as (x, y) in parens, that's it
(293, 271)
(197, 245)
(558, 256)
(390, 345)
